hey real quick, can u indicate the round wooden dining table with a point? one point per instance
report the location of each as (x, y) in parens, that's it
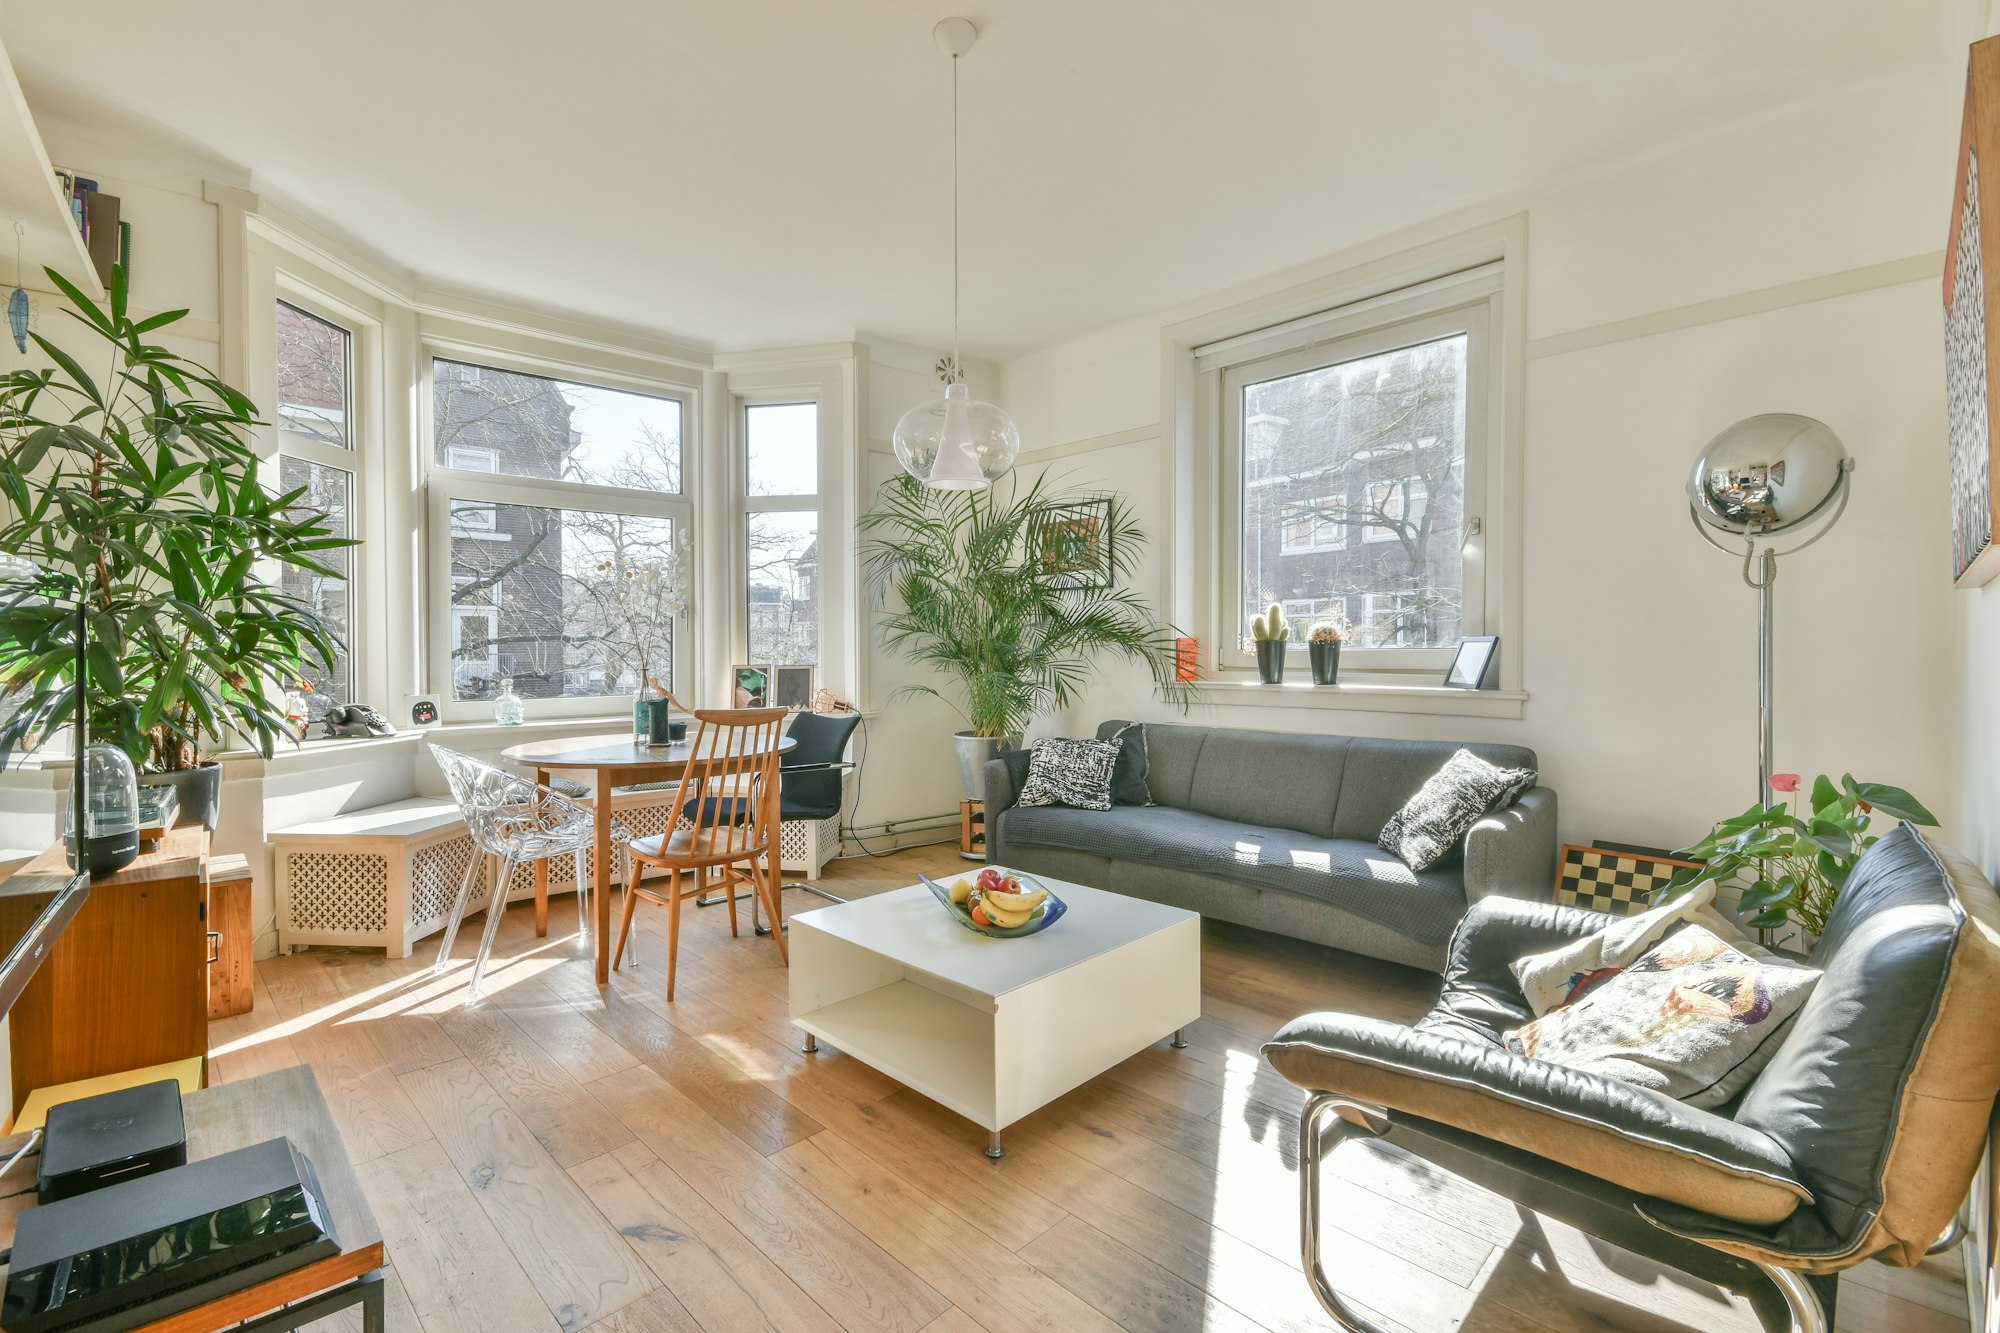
(613, 761)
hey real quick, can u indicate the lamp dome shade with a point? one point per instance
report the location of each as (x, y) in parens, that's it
(957, 443)
(1766, 474)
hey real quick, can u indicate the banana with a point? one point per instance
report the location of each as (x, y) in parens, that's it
(1016, 902)
(1004, 918)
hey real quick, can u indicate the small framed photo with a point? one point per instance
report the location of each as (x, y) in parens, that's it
(792, 687)
(753, 686)
(1474, 667)
(1077, 545)
(421, 710)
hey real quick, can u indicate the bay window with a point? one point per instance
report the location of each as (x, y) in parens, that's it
(560, 534)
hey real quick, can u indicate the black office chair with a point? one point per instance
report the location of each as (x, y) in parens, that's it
(809, 785)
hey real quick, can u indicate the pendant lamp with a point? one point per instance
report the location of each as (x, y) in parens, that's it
(959, 444)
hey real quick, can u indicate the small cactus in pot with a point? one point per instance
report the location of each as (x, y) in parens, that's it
(1273, 635)
(1323, 646)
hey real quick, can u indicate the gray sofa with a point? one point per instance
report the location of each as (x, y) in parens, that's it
(1276, 830)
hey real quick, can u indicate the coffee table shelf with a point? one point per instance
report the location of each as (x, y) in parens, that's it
(991, 1028)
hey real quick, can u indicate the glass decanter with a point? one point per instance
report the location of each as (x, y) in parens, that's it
(507, 706)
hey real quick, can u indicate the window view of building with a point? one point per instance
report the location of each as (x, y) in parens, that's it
(1354, 495)
(781, 591)
(316, 455)
(566, 599)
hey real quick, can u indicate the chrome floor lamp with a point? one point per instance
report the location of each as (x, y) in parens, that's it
(1767, 475)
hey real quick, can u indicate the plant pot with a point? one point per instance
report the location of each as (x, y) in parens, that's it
(200, 791)
(1271, 660)
(1325, 662)
(973, 754)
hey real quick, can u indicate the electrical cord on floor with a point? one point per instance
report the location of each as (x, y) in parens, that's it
(860, 771)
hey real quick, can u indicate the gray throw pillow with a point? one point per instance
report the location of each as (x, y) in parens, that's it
(1128, 779)
(1072, 773)
(1449, 803)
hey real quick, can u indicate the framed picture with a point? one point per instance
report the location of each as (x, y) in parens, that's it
(753, 686)
(1970, 303)
(792, 687)
(1475, 666)
(1614, 878)
(1077, 545)
(421, 710)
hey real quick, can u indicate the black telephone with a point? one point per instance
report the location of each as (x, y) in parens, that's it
(357, 720)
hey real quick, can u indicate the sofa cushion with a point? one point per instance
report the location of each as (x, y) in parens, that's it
(1077, 773)
(1382, 775)
(1432, 823)
(1692, 1017)
(1639, 1139)
(1128, 779)
(1352, 874)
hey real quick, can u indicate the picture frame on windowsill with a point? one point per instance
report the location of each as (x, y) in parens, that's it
(751, 686)
(1477, 665)
(792, 687)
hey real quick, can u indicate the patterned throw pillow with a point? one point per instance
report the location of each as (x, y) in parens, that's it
(1561, 976)
(1692, 1018)
(1068, 772)
(1455, 798)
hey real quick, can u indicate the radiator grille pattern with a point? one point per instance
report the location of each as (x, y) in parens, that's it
(339, 892)
(436, 872)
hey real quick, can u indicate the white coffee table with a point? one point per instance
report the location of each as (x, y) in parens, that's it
(992, 1028)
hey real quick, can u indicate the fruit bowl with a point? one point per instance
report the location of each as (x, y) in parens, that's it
(1047, 909)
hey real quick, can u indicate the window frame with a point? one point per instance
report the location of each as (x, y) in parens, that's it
(354, 458)
(1320, 346)
(443, 485)
(807, 502)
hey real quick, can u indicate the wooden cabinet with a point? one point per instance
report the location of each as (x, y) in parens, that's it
(127, 984)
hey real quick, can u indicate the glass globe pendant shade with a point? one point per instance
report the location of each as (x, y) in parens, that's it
(959, 444)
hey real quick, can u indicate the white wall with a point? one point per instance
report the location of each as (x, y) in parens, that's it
(1652, 325)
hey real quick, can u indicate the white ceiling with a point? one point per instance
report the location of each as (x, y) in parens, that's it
(760, 172)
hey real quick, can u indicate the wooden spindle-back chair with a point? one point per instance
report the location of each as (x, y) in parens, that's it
(723, 819)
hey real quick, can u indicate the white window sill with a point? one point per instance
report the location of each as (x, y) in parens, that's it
(1364, 698)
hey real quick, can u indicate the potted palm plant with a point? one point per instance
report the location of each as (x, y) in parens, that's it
(1013, 600)
(135, 496)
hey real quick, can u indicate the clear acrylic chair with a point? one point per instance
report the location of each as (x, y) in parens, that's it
(517, 822)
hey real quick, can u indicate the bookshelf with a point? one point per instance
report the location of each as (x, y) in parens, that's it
(29, 194)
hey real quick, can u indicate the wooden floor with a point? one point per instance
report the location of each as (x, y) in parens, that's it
(563, 1157)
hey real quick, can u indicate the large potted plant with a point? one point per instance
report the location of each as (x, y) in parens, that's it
(1014, 599)
(135, 495)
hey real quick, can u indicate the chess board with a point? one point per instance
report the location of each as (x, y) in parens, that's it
(1618, 880)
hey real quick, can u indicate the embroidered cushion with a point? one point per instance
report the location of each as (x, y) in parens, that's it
(1682, 1020)
(1561, 976)
(1449, 803)
(1128, 779)
(1070, 772)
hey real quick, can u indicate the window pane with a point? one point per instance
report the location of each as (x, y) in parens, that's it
(330, 491)
(782, 444)
(1354, 495)
(568, 602)
(784, 589)
(313, 360)
(490, 420)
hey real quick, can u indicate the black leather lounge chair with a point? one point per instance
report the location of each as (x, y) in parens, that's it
(1858, 1141)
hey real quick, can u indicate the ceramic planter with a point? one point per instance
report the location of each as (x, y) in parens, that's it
(1271, 660)
(200, 791)
(1325, 662)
